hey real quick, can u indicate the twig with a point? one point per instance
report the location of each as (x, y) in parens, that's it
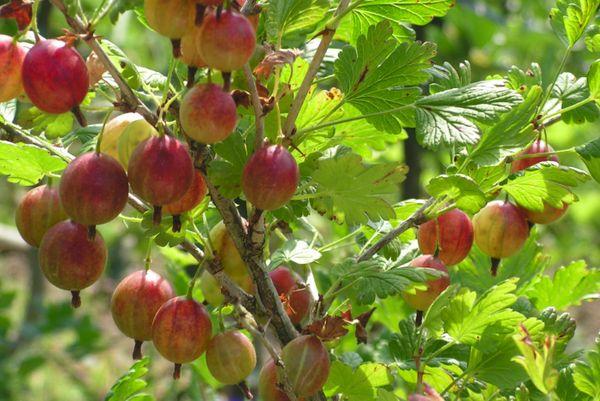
(248, 322)
(258, 110)
(313, 68)
(413, 220)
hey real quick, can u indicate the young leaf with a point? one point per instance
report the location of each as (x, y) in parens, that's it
(128, 387)
(511, 134)
(353, 192)
(26, 164)
(593, 78)
(293, 251)
(290, 21)
(523, 81)
(538, 363)
(570, 285)
(569, 90)
(590, 154)
(447, 77)
(587, 373)
(545, 183)
(359, 384)
(460, 189)
(467, 317)
(570, 18)
(446, 118)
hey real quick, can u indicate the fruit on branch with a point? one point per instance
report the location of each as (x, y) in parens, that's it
(230, 357)
(39, 210)
(270, 177)
(269, 385)
(122, 134)
(208, 114)
(190, 54)
(12, 55)
(181, 331)
(306, 362)
(70, 260)
(135, 302)
(55, 77)
(421, 300)
(171, 18)
(160, 172)
(549, 215)
(94, 189)
(212, 290)
(226, 41)
(226, 251)
(451, 234)
(192, 198)
(500, 230)
(294, 294)
(539, 146)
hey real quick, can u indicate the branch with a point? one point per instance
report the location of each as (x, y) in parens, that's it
(413, 220)
(258, 110)
(313, 68)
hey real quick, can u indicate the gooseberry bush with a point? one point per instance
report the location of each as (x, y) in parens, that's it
(255, 158)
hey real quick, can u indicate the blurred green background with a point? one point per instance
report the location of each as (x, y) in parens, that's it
(50, 352)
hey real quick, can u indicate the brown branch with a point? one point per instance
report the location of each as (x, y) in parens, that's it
(313, 68)
(258, 110)
(413, 220)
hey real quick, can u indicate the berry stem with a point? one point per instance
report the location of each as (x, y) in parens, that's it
(79, 116)
(176, 43)
(75, 299)
(226, 81)
(148, 258)
(137, 350)
(243, 386)
(176, 223)
(191, 79)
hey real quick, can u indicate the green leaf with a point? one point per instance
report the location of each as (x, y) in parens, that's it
(290, 21)
(447, 77)
(537, 361)
(128, 387)
(226, 173)
(352, 192)
(446, 118)
(459, 189)
(417, 12)
(467, 317)
(592, 41)
(568, 91)
(509, 135)
(590, 154)
(545, 183)
(587, 373)
(380, 278)
(121, 6)
(8, 110)
(294, 251)
(359, 384)
(52, 125)
(523, 81)
(570, 18)
(26, 164)
(570, 285)
(593, 78)
(379, 77)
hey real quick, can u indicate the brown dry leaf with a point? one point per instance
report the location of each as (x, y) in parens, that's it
(19, 10)
(275, 58)
(95, 68)
(328, 328)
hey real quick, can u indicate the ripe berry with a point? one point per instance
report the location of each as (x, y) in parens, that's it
(226, 251)
(211, 290)
(122, 134)
(171, 18)
(39, 210)
(297, 297)
(421, 300)
(135, 302)
(70, 260)
(208, 114)
(160, 172)
(306, 362)
(11, 61)
(500, 230)
(230, 357)
(270, 177)
(181, 331)
(268, 384)
(549, 215)
(538, 146)
(451, 234)
(227, 41)
(94, 189)
(55, 77)
(192, 198)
